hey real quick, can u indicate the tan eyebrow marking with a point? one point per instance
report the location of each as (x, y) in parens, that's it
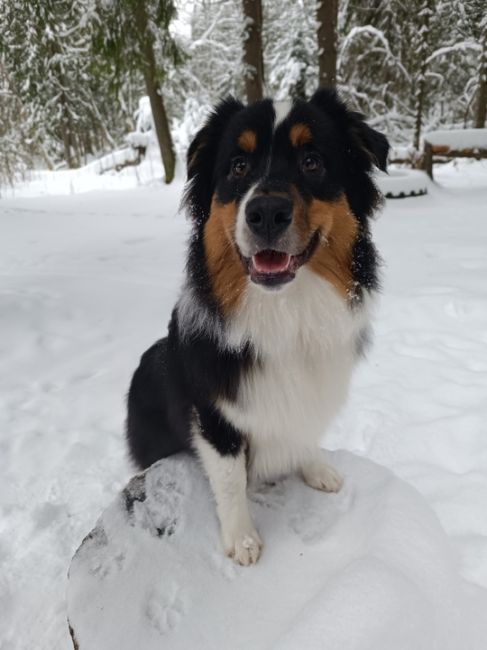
(300, 134)
(248, 141)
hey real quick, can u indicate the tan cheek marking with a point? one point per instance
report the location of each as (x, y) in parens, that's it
(333, 257)
(225, 268)
(248, 141)
(300, 134)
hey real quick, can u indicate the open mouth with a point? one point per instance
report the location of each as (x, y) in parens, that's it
(272, 268)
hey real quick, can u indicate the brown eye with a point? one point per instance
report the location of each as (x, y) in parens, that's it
(311, 164)
(239, 167)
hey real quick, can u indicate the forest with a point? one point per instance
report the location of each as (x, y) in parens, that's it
(72, 72)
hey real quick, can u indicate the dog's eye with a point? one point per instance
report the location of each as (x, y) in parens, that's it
(239, 167)
(311, 164)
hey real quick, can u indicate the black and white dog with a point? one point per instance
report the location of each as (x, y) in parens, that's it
(275, 307)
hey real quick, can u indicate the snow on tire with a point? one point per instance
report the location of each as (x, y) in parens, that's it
(401, 183)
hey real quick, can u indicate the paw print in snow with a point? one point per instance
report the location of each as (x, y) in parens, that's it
(164, 609)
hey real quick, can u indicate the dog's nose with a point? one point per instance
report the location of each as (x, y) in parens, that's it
(268, 216)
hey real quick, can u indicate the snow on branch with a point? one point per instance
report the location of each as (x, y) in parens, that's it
(375, 33)
(457, 47)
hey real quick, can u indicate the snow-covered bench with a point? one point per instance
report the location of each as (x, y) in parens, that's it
(457, 143)
(369, 567)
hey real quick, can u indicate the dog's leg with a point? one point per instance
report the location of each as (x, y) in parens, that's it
(227, 474)
(321, 476)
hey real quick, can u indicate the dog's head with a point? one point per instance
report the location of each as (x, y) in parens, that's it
(273, 188)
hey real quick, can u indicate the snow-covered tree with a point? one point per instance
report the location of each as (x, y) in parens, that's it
(371, 72)
(42, 51)
(134, 37)
(411, 66)
(73, 71)
(14, 139)
(57, 80)
(213, 68)
(290, 48)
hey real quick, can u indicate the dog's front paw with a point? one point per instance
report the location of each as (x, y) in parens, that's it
(322, 476)
(244, 547)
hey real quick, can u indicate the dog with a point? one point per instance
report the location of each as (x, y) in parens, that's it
(275, 308)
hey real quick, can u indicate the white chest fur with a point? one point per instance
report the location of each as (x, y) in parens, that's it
(305, 338)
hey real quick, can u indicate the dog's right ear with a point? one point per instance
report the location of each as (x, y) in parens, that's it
(201, 158)
(367, 146)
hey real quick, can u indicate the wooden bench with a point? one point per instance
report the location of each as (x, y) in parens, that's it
(457, 143)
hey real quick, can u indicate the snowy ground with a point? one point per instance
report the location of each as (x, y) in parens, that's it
(89, 280)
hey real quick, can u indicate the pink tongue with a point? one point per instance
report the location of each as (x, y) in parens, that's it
(270, 261)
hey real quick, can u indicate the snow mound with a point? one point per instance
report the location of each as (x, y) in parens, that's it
(367, 568)
(400, 183)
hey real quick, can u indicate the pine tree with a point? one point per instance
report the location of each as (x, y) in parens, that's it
(14, 140)
(65, 100)
(372, 75)
(213, 68)
(44, 66)
(290, 48)
(134, 37)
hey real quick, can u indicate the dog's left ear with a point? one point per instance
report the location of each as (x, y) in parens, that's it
(371, 141)
(201, 159)
(368, 146)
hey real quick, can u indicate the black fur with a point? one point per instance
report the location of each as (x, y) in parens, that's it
(158, 420)
(202, 154)
(178, 376)
(174, 377)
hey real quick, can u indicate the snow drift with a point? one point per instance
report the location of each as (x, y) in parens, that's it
(367, 568)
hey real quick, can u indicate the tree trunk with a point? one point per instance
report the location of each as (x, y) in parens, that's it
(159, 114)
(420, 96)
(39, 147)
(67, 145)
(68, 133)
(481, 111)
(420, 90)
(327, 16)
(253, 59)
(162, 127)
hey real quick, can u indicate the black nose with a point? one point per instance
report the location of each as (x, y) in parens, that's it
(268, 216)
